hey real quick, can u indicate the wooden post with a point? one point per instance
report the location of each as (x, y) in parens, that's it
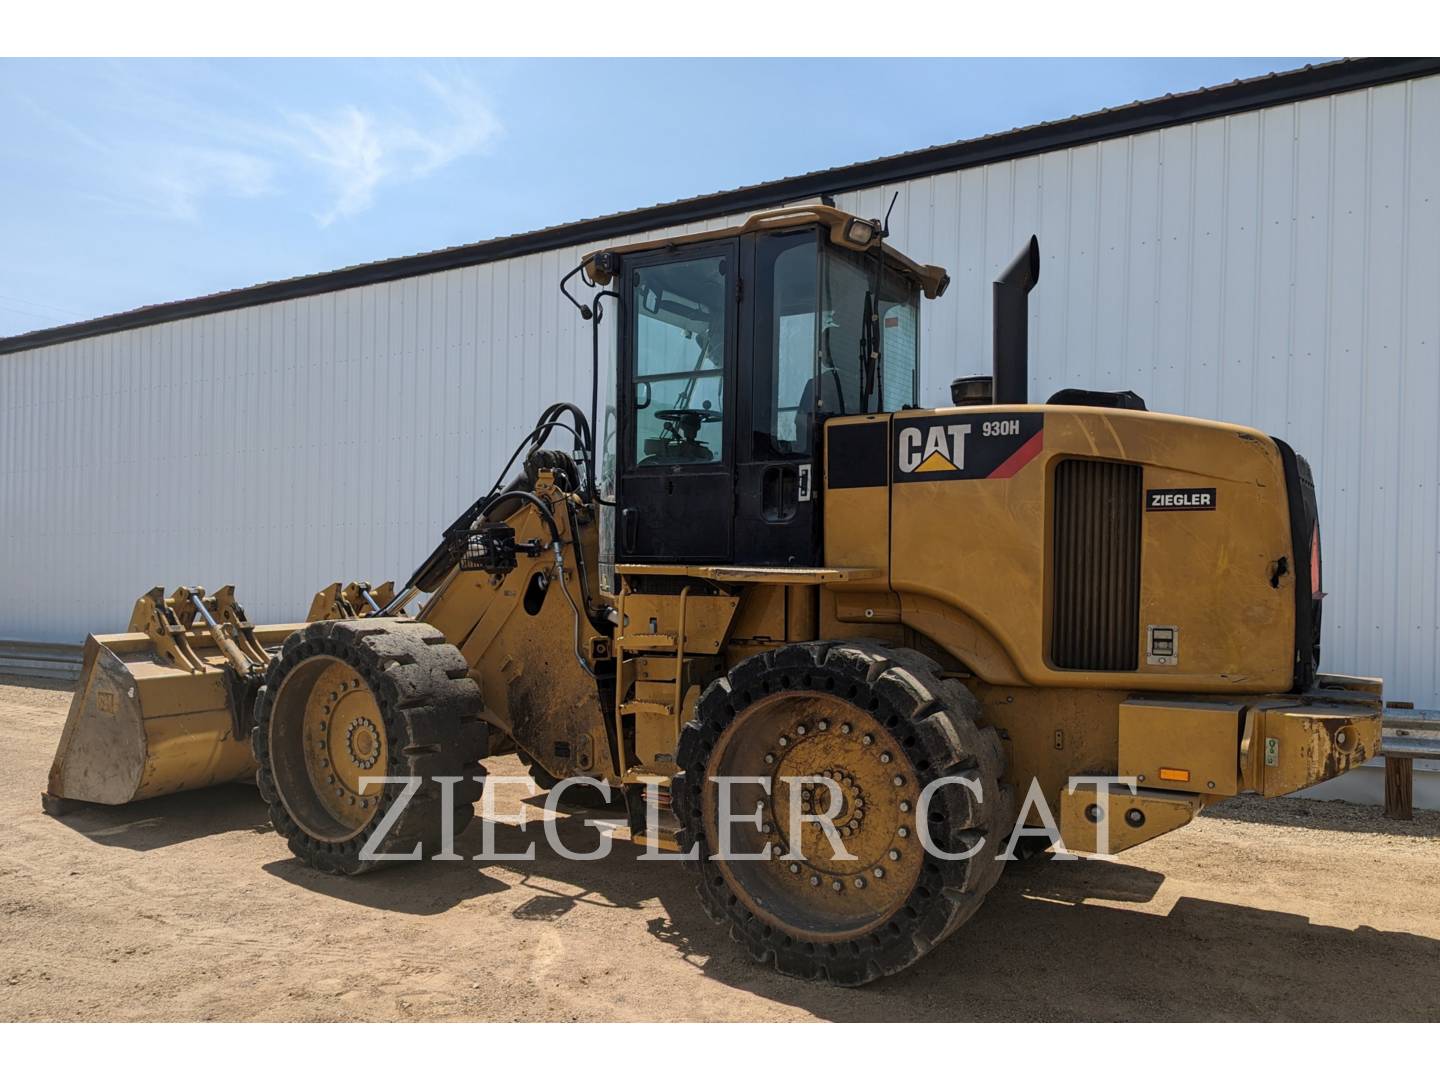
(1399, 787)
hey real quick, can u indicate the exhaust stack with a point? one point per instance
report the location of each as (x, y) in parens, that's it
(1012, 322)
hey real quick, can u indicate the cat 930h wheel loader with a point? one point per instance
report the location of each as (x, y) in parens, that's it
(843, 649)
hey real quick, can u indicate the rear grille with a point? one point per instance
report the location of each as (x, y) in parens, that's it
(1096, 623)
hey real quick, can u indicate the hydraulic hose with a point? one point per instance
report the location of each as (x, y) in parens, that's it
(439, 562)
(579, 619)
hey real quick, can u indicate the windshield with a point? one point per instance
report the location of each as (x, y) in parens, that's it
(846, 300)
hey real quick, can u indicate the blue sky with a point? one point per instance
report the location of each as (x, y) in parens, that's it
(125, 183)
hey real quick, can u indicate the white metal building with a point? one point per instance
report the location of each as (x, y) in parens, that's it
(1266, 252)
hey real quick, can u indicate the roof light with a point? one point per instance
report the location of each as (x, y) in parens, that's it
(860, 232)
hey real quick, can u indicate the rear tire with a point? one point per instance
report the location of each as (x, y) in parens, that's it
(411, 710)
(884, 724)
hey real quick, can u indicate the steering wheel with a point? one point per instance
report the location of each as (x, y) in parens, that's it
(700, 416)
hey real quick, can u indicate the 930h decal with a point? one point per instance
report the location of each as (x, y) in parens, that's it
(968, 446)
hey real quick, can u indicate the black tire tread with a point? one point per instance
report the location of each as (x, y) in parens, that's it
(938, 722)
(430, 708)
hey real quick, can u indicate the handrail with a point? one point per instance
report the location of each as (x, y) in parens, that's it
(1413, 733)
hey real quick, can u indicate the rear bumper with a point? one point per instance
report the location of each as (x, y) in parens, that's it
(1183, 753)
(1291, 745)
(1272, 745)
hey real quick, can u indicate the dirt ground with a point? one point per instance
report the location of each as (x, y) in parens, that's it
(189, 908)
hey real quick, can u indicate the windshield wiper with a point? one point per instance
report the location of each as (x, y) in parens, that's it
(869, 350)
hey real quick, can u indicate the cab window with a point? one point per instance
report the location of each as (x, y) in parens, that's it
(847, 299)
(678, 378)
(786, 321)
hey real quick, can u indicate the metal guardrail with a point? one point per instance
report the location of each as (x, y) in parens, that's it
(1412, 733)
(35, 660)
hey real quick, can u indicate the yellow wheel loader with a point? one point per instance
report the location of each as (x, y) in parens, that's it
(848, 653)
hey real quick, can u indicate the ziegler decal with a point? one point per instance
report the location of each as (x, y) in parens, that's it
(966, 446)
(1180, 499)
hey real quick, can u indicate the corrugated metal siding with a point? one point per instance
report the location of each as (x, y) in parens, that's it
(1279, 268)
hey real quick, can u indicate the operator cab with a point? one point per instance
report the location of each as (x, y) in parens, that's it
(733, 347)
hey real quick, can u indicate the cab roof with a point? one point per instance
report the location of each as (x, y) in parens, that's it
(845, 229)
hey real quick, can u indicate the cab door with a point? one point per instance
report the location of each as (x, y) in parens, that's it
(675, 485)
(778, 419)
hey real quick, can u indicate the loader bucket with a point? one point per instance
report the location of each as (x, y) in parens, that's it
(160, 709)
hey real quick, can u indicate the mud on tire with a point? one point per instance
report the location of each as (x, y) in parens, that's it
(937, 723)
(430, 712)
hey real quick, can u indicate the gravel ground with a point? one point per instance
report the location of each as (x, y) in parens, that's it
(190, 908)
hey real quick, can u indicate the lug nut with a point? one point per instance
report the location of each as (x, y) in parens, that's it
(885, 759)
(879, 871)
(867, 740)
(769, 759)
(823, 725)
(859, 883)
(899, 781)
(784, 741)
(904, 806)
(800, 730)
(903, 832)
(894, 855)
(844, 729)
(814, 879)
(837, 886)
(794, 868)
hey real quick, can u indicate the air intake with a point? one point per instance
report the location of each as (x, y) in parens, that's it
(1096, 623)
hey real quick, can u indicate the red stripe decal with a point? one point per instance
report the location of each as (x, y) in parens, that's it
(1020, 458)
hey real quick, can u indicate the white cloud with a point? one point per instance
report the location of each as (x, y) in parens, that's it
(201, 154)
(180, 178)
(357, 152)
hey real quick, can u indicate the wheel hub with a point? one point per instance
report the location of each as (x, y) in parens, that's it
(362, 742)
(344, 744)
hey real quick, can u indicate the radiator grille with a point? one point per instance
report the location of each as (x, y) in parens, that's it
(1096, 619)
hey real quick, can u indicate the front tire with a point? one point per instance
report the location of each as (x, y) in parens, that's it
(877, 725)
(352, 699)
